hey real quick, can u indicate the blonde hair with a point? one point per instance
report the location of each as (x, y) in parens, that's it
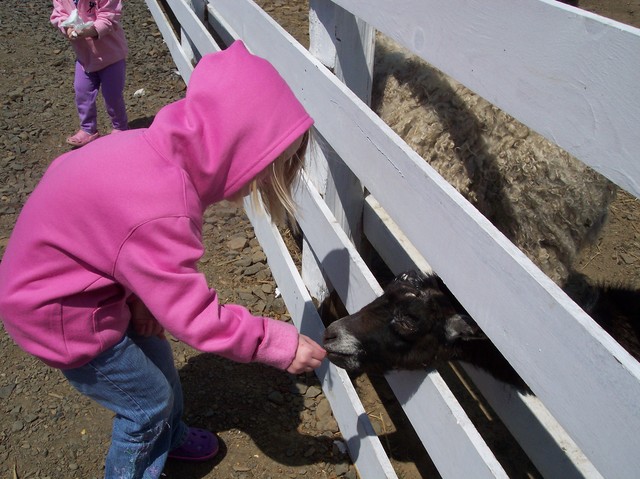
(276, 185)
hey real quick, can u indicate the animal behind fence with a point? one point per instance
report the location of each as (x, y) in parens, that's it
(418, 324)
(545, 201)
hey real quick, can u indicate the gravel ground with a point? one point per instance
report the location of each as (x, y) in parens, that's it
(272, 424)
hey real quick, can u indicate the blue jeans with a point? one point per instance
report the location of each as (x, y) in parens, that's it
(137, 380)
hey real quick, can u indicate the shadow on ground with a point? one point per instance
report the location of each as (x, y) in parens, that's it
(251, 406)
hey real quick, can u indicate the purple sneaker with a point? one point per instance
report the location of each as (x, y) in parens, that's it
(200, 445)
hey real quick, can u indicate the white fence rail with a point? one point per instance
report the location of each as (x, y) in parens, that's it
(568, 74)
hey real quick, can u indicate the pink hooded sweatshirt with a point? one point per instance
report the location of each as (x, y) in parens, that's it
(123, 215)
(110, 46)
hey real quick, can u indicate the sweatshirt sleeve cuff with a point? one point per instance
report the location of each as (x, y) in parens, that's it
(279, 345)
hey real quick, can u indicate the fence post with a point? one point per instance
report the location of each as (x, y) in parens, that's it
(345, 45)
(199, 7)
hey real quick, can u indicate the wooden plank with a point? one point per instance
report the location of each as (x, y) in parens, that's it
(220, 26)
(567, 73)
(432, 407)
(348, 45)
(180, 57)
(317, 166)
(199, 37)
(390, 243)
(548, 446)
(364, 446)
(435, 414)
(198, 6)
(343, 43)
(335, 253)
(591, 387)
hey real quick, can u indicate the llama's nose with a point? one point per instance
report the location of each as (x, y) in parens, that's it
(330, 335)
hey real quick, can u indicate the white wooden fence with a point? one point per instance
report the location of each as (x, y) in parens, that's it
(585, 418)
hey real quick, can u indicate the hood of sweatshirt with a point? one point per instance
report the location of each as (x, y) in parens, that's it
(237, 117)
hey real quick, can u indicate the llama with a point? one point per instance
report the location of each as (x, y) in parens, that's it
(418, 324)
(548, 203)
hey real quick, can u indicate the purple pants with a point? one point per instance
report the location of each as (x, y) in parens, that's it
(86, 85)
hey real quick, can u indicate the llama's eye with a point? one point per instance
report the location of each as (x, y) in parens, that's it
(404, 325)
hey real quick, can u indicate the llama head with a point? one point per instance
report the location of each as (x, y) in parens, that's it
(415, 324)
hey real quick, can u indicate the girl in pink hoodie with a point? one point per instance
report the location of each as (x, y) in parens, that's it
(101, 48)
(104, 255)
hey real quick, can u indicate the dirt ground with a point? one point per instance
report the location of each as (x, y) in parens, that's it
(273, 424)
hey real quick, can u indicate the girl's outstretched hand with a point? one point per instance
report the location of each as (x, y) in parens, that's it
(309, 356)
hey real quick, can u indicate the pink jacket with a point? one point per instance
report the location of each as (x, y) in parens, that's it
(110, 46)
(123, 215)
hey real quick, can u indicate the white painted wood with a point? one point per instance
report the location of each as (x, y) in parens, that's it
(347, 45)
(438, 419)
(352, 43)
(335, 253)
(220, 26)
(567, 73)
(179, 56)
(198, 6)
(590, 387)
(318, 167)
(312, 276)
(343, 193)
(431, 405)
(547, 444)
(200, 39)
(387, 239)
(367, 452)
(344, 44)
(321, 44)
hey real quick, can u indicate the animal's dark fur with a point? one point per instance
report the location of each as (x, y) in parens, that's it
(418, 324)
(615, 308)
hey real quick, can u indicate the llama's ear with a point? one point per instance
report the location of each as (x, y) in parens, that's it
(412, 277)
(462, 327)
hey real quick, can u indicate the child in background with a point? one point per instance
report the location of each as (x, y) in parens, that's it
(100, 50)
(103, 257)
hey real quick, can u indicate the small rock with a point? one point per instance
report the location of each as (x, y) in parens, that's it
(312, 392)
(244, 262)
(241, 468)
(258, 257)
(299, 388)
(5, 391)
(276, 397)
(341, 469)
(339, 447)
(237, 244)
(253, 269)
(627, 258)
